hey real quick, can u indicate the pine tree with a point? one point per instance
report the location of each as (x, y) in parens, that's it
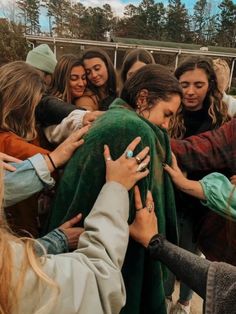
(153, 16)
(227, 25)
(200, 20)
(58, 16)
(13, 45)
(29, 13)
(177, 25)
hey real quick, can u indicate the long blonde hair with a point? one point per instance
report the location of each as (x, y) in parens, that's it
(11, 285)
(217, 109)
(21, 89)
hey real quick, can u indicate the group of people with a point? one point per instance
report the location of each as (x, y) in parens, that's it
(74, 140)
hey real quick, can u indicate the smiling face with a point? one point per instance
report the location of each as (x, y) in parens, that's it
(77, 82)
(161, 111)
(96, 71)
(195, 86)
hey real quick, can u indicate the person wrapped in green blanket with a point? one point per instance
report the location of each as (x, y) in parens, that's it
(147, 102)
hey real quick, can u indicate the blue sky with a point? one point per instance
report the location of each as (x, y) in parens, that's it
(121, 3)
(117, 6)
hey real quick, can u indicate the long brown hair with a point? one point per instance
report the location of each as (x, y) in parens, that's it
(12, 279)
(21, 88)
(111, 82)
(217, 109)
(159, 82)
(60, 79)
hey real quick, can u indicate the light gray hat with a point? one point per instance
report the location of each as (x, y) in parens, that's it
(42, 58)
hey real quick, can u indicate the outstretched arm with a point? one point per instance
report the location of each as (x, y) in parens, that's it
(190, 187)
(209, 151)
(190, 268)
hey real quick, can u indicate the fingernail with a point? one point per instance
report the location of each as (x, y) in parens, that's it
(163, 165)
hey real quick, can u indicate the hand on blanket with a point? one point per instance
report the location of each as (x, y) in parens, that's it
(144, 226)
(72, 233)
(66, 149)
(177, 176)
(91, 116)
(127, 171)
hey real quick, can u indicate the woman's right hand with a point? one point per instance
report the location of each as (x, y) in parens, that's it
(145, 225)
(126, 171)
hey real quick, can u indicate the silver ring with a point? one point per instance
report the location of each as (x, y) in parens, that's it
(141, 167)
(108, 158)
(138, 159)
(129, 154)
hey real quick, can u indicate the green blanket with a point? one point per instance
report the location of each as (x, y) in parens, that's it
(84, 177)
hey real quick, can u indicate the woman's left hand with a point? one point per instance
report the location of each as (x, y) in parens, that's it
(144, 226)
(127, 170)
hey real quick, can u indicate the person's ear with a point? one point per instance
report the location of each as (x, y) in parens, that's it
(142, 99)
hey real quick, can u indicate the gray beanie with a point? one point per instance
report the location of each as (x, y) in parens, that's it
(42, 58)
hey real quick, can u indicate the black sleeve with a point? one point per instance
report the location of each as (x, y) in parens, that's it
(51, 110)
(190, 268)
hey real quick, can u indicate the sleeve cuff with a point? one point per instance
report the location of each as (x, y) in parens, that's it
(55, 242)
(41, 169)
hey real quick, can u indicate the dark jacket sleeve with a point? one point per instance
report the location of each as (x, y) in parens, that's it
(188, 267)
(51, 110)
(209, 151)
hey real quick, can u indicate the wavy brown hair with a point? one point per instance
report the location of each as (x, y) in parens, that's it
(21, 89)
(59, 86)
(217, 109)
(159, 82)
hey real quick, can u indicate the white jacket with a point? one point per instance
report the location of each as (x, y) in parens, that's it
(231, 102)
(57, 133)
(90, 279)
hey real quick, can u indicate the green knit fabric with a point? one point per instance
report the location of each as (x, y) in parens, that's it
(84, 177)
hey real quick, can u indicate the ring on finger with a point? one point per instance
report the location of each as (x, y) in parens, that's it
(138, 209)
(149, 208)
(108, 158)
(129, 154)
(138, 159)
(141, 167)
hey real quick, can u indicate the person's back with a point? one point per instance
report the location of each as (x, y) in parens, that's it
(84, 176)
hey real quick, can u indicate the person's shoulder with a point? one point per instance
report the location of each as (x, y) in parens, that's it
(123, 121)
(7, 135)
